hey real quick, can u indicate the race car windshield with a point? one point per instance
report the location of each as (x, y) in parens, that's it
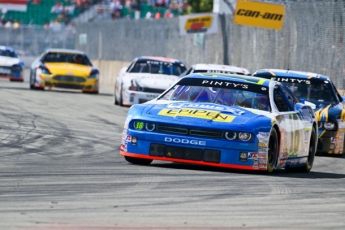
(218, 95)
(8, 53)
(67, 58)
(320, 94)
(158, 67)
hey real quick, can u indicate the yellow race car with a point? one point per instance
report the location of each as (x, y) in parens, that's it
(64, 68)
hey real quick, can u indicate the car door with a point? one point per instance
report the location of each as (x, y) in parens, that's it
(292, 132)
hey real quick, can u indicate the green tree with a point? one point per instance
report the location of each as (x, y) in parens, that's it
(200, 6)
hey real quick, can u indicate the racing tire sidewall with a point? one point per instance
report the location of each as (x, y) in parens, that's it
(311, 150)
(272, 156)
(120, 99)
(32, 81)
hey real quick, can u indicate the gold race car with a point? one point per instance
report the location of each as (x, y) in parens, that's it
(64, 68)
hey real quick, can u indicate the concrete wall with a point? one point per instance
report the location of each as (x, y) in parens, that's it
(109, 70)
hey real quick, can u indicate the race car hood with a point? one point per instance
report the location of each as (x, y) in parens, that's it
(207, 115)
(330, 113)
(147, 80)
(69, 68)
(8, 61)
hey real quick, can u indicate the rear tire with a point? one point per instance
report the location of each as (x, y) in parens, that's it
(121, 100)
(138, 161)
(272, 157)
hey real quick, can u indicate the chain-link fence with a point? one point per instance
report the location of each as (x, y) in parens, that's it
(32, 41)
(312, 40)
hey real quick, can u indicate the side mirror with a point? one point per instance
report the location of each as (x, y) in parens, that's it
(312, 105)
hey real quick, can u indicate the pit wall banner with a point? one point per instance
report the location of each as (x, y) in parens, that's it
(199, 23)
(259, 14)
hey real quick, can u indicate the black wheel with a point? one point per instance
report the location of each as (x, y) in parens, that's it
(273, 144)
(138, 161)
(312, 151)
(121, 100)
(32, 81)
(115, 99)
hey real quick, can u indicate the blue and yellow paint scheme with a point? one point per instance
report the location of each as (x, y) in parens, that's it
(211, 133)
(329, 103)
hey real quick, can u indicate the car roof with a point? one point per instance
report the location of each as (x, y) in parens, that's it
(243, 79)
(6, 48)
(217, 67)
(158, 58)
(289, 74)
(57, 50)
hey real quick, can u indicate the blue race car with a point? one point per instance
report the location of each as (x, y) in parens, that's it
(329, 110)
(229, 121)
(10, 65)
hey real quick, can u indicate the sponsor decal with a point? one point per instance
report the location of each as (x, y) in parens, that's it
(225, 83)
(262, 161)
(307, 114)
(263, 137)
(243, 156)
(263, 144)
(128, 119)
(197, 113)
(134, 141)
(256, 164)
(292, 80)
(129, 138)
(252, 155)
(265, 15)
(184, 141)
(262, 155)
(151, 96)
(262, 149)
(206, 106)
(332, 146)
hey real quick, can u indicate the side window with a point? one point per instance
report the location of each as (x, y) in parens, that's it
(289, 96)
(280, 101)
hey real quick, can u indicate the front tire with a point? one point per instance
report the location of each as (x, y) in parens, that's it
(138, 161)
(32, 81)
(273, 149)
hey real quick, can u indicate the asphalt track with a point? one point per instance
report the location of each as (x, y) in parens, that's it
(60, 169)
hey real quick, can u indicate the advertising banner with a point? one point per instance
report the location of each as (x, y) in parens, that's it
(199, 23)
(259, 14)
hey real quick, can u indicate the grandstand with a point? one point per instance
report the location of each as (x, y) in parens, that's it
(37, 13)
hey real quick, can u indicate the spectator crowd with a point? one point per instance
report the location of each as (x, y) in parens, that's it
(64, 10)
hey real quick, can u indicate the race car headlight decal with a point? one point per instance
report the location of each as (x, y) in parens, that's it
(329, 125)
(94, 76)
(16, 68)
(320, 125)
(230, 135)
(244, 136)
(150, 126)
(43, 70)
(139, 125)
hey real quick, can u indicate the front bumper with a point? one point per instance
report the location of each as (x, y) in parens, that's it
(208, 152)
(68, 82)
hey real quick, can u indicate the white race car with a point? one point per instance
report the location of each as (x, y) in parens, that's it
(215, 68)
(145, 79)
(11, 66)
